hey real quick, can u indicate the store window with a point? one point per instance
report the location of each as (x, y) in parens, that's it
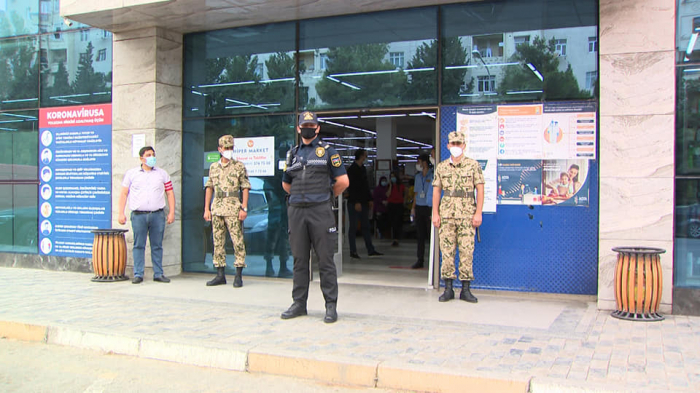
(21, 17)
(19, 73)
(687, 207)
(265, 228)
(592, 44)
(383, 59)
(77, 71)
(240, 71)
(18, 181)
(526, 50)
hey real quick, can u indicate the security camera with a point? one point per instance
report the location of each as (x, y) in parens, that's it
(68, 22)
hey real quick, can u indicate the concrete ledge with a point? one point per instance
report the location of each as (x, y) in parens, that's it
(336, 372)
(392, 375)
(23, 331)
(104, 342)
(197, 355)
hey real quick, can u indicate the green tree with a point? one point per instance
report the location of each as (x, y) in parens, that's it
(239, 69)
(280, 66)
(61, 85)
(385, 89)
(422, 86)
(19, 72)
(542, 55)
(87, 81)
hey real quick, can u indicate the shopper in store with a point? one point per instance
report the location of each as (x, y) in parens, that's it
(395, 196)
(360, 203)
(422, 205)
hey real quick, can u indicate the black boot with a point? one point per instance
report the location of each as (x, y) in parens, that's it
(466, 294)
(269, 270)
(238, 280)
(219, 279)
(449, 294)
(331, 313)
(295, 310)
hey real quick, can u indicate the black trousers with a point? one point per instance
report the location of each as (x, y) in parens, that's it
(422, 229)
(396, 218)
(314, 225)
(363, 216)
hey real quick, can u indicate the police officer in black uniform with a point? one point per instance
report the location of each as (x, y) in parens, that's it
(313, 176)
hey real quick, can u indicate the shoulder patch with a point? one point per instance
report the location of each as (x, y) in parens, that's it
(320, 152)
(336, 161)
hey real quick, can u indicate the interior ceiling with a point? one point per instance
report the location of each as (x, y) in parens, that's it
(415, 131)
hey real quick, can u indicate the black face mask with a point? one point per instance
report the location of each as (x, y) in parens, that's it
(308, 132)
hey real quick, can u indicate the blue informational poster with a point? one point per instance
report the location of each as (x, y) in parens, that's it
(519, 182)
(75, 178)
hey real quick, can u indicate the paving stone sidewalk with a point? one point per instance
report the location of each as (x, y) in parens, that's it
(581, 347)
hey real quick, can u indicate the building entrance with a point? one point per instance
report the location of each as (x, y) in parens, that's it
(393, 141)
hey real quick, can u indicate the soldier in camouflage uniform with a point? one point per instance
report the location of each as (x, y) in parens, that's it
(458, 214)
(227, 178)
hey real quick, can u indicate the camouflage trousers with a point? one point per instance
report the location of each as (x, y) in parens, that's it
(456, 233)
(235, 228)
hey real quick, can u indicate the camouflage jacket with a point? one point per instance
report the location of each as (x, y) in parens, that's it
(227, 180)
(463, 177)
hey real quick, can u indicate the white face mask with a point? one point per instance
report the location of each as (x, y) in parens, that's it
(456, 151)
(432, 160)
(419, 167)
(228, 154)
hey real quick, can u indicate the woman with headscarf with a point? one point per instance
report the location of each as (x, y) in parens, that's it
(395, 196)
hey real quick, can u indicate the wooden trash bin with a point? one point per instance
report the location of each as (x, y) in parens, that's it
(638, 283)
(109, 255)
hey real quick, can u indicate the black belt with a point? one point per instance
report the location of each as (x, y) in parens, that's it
(146, 211)
(459, 194)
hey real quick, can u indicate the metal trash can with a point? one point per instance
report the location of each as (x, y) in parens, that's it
(109, 255)
(638, 283)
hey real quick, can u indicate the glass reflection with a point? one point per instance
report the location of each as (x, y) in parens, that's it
(687, 249)
(23, 17)
(240, 71)
(76, 68)
(519, 51)
(18, 146)
(19, 73)
(686, 264)
(383, 59)
(265, 228)
(18, 218)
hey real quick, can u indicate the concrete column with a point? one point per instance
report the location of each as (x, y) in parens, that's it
(147, 99)
(386, 138)
(637, 101)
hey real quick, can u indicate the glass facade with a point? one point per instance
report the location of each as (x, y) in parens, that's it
(385, 59)
(265, 228)
(687, 204)
(510, 51)
(46, 62)
(252, 81)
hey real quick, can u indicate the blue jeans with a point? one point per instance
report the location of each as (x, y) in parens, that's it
(363, 217)
(153, 226)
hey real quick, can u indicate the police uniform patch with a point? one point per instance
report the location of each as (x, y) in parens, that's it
(320, 152)
(336, 161)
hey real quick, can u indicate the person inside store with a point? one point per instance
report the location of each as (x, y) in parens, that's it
(314, 175)
(457, 214)
(395, 196)
(229, 185)
(360, 204)
(422, 207)
(379, 211)
(146, 187)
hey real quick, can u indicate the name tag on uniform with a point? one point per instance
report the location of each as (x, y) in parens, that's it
(421, 195)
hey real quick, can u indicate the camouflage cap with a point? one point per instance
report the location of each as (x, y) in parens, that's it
(456, 136)
(226, 141)
(308, 118)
